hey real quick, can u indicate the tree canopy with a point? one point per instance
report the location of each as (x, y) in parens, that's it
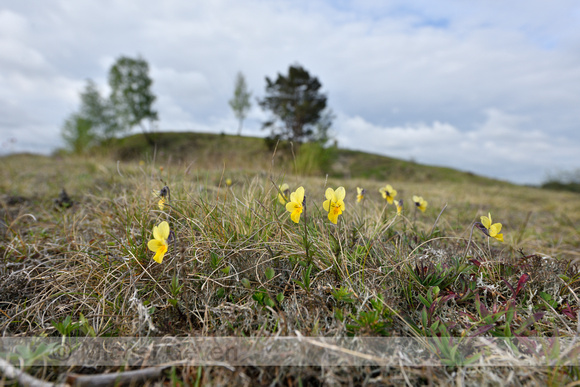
(129, 104)
(297, 105)
(95, 121)
(240, 103)
(131, 94)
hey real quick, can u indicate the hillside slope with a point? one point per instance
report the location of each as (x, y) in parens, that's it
(206, 150)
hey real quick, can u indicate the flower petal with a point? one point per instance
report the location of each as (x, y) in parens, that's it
(494, 229)
(154, 244)
(161, 232)
(326, 205)
(295, 215)
(299, 197)
(340, 194)
(291, 206)
(486, 222)
(329, 194)
(160, 254)
(333, 217)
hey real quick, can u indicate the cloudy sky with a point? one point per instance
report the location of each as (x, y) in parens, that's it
(491, 87)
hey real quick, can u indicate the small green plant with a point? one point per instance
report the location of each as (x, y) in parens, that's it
(305, 283)
(451, 350)
(262, 297)
(66, 327)
(175, 290)
(86, 327)
(440, 275)
(269, 273)
(376, 321)
(30, 355)
(342, 294)
(214, 260)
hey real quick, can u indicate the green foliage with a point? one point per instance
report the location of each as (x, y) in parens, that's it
(240, 103)
(564, 181)
(342, 294)
(315, 158)
(376, 321)
(305, 283)
(99, 112)
(78, 134)
(95, 121)
(215, 260)
(297, 105)
(269, 273)
(175, 290)
(261, 297)
(429, 275)
(29, 355)
(131, 94)
(66, 327)
(129, 104)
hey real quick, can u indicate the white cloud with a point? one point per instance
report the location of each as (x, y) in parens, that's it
(501, 147)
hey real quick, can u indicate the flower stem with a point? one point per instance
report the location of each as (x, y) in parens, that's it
(305, 239)
(469, 242)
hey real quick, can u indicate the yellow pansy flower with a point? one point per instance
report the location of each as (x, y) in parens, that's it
(399, 205)
(161, 204)
(296, 204)
(420, 203)
(283, 197)
(388, 193)
(334, 203)
(159, 243)
(360, 194)
(492, 229)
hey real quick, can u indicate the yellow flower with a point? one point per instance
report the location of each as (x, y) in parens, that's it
(141, 163)
(420, 203)
(228, 182)
(360, 194)
(161, 204)
(493, 229)
(388, 193)
(296, 204)
(334, 203)
(399, 204)
(283, 197)
(159, 243)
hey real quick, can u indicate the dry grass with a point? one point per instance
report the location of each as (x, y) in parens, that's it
(371, 275)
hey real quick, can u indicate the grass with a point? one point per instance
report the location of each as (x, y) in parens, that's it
(238, 266)
(206, 150)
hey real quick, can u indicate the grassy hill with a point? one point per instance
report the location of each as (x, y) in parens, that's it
(211, 151)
